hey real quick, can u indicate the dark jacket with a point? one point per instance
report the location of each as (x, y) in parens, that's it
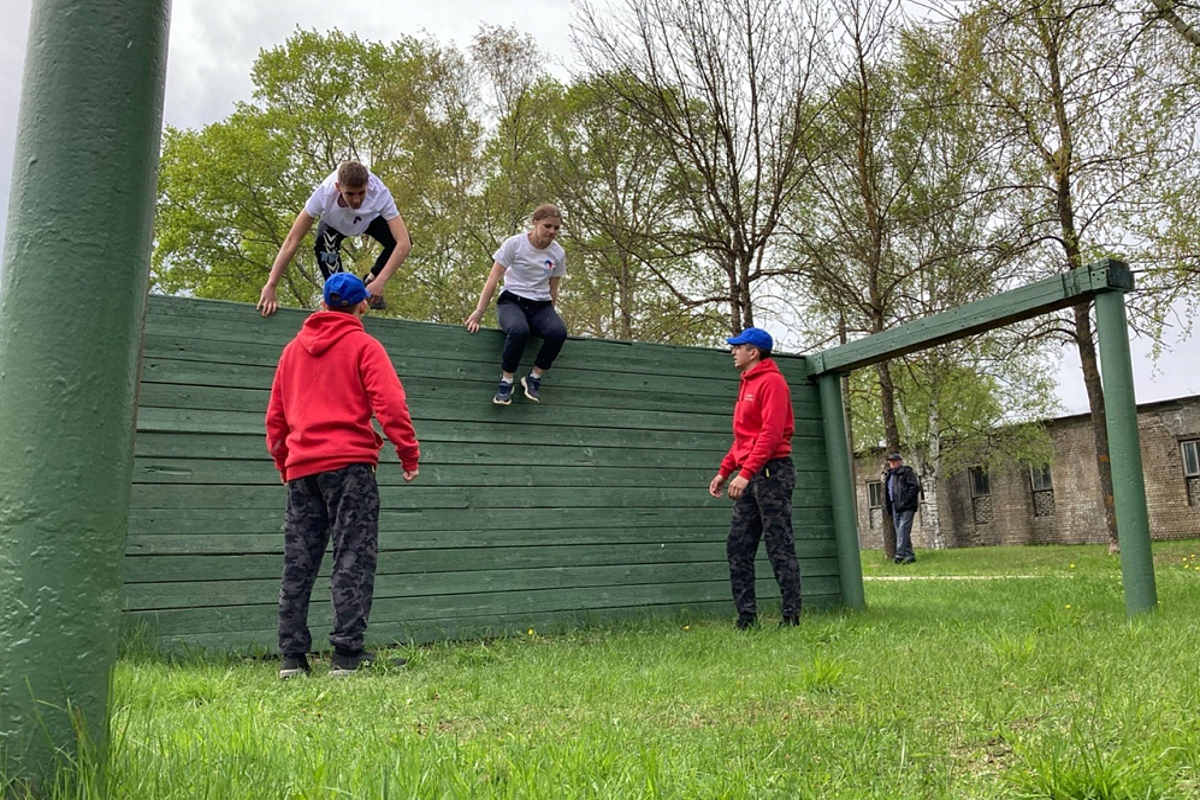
(907, 489)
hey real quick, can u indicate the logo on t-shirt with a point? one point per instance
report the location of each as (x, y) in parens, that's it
(749, 397)
(549, 264)
(357, 220)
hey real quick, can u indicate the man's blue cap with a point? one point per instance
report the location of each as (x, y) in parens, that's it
(343, 290)
(756, 337)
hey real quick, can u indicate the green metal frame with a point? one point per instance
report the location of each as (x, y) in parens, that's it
(1106, 282)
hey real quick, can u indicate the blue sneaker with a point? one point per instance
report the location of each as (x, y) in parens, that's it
(532, 385)
(504, 393)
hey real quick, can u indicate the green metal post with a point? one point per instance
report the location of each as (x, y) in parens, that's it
(72, 305)
(1125, 454)
(845, 519)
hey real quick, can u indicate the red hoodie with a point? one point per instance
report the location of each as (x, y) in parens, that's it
(762, 421)
(330, 379)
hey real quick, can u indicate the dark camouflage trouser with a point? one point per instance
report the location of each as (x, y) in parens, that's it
(343, 502)
(765, 507)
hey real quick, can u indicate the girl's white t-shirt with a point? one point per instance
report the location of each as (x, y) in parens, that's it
(528, 270)
(323, 204)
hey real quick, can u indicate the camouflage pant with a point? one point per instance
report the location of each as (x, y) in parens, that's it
(343, 502)
(765, 507)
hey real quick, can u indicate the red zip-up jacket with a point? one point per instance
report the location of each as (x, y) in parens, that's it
(762, 421)
(329, 381)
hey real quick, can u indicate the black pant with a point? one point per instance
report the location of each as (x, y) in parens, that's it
(765, 507)
(329, 246)
(518, 318)
(344, 503)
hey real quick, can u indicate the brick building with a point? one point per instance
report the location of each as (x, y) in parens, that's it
(1060, 503)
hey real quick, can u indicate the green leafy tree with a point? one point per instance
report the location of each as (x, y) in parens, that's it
(727, 89)
(1088, 114)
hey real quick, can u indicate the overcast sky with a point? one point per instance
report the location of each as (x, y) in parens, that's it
(214, 42)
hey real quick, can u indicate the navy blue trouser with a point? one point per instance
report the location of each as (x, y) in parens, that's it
(519, 317)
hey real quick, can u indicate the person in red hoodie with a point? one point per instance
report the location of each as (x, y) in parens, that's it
(764, 476)
(330, 380)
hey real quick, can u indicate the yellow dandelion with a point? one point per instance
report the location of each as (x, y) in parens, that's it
(687, 627)
(1072, 566)
(531, 631)
(1068, 605)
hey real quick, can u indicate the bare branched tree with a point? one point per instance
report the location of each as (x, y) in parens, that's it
(731, 90)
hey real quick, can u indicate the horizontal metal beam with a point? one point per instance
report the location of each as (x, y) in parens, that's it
(1051, 294)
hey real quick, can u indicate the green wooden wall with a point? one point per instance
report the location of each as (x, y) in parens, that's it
(591, 506)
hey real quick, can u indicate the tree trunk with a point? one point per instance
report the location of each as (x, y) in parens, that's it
(931, 520)
(1095, 393)
(891, 435)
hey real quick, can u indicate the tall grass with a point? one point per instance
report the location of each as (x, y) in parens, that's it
(1032, 687)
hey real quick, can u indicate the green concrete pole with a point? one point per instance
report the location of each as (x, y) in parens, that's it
(72, 306)
(841, 480)
(1125, 454)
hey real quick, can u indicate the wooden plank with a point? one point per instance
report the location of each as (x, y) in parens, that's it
(264, 615)
(423, 391)
(809, 451)
(1042, 297)
(520, 524)
(428, 523)
(268, 540)
(399, 560)
(474, 499)
(696, 475)
(493, 423)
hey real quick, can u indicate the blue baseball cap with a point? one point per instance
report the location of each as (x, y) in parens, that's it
(756, 337)
(343, 290)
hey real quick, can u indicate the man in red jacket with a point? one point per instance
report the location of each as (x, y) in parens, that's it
(330, 380)
(765, 476)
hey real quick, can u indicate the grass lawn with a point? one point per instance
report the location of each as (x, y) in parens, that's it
(1031, 686)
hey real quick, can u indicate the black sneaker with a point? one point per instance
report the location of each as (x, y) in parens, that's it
(790, 621)
(504, 393)
(343, 664)
(909, 560)
(293, 665)
(532, 385)
(746, 623)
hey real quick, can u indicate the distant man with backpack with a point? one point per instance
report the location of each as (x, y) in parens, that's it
(902, 493)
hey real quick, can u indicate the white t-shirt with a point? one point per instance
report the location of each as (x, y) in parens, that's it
(527, 270)
(323, 204)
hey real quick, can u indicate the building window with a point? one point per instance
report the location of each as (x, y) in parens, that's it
(1191, 469)
(1043, 491)
(981, 495)
(875, 504)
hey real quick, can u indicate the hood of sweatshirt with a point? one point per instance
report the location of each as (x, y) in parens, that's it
(323, 329)
(764, 367)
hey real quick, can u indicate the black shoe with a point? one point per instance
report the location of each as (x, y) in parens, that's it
(343, 663)
(293, 665)
(790, 621)
(909, 560)
(897, 560)
(746, 623)
(531, 385)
